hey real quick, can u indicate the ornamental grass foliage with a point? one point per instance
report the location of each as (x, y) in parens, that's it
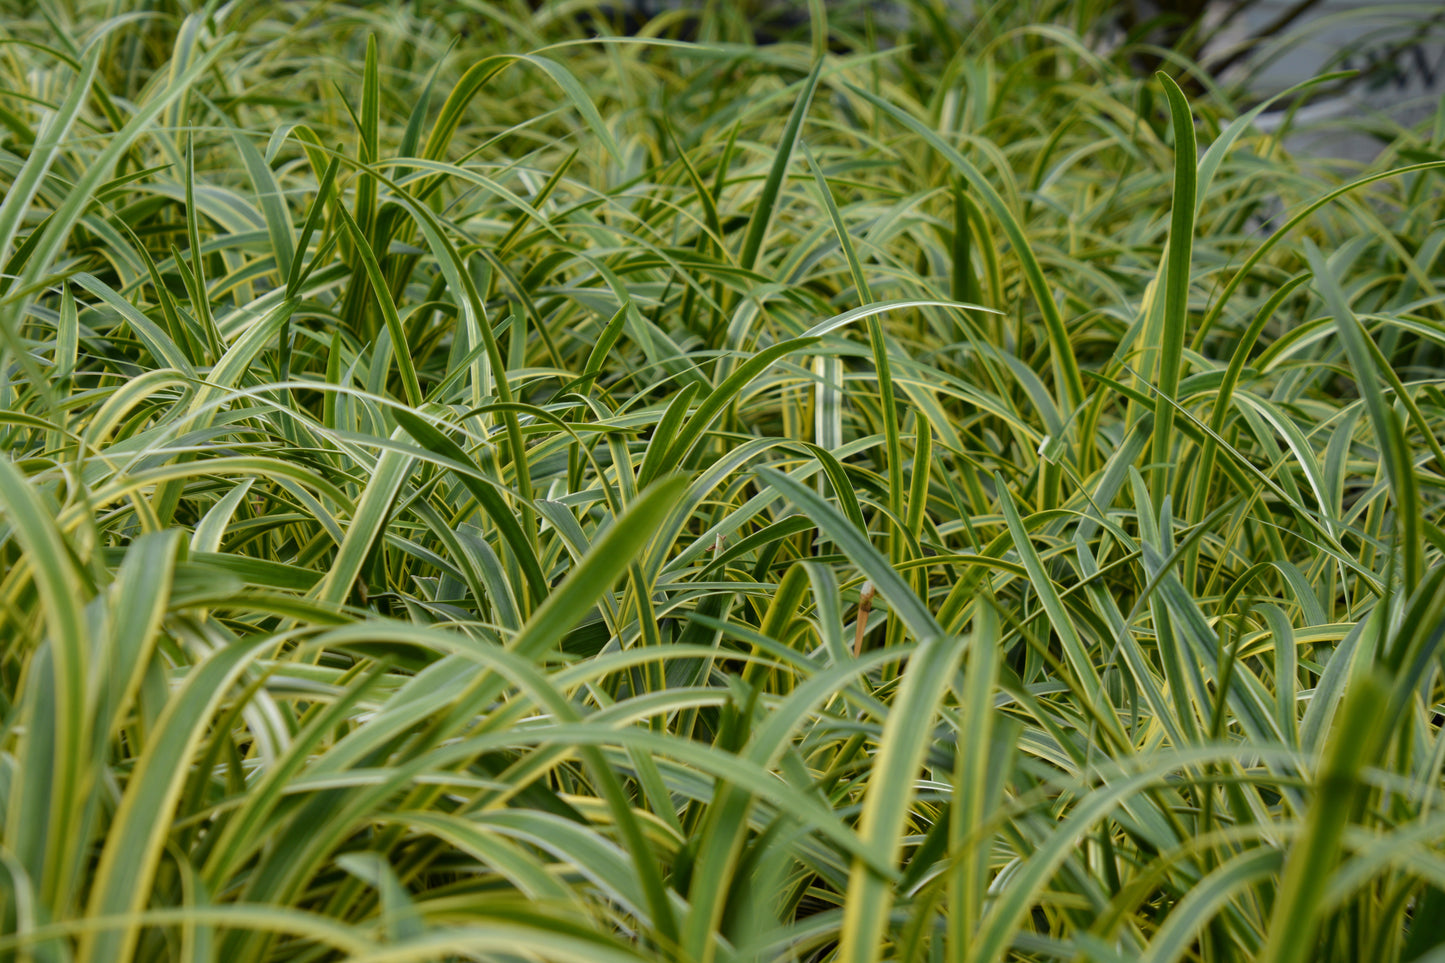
(495, 483)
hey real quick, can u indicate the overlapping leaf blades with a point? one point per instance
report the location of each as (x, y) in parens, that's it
(455, 507)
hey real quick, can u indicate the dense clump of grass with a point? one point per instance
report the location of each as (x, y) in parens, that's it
(480, 488)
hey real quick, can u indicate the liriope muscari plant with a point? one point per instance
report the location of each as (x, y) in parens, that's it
(481, 483)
